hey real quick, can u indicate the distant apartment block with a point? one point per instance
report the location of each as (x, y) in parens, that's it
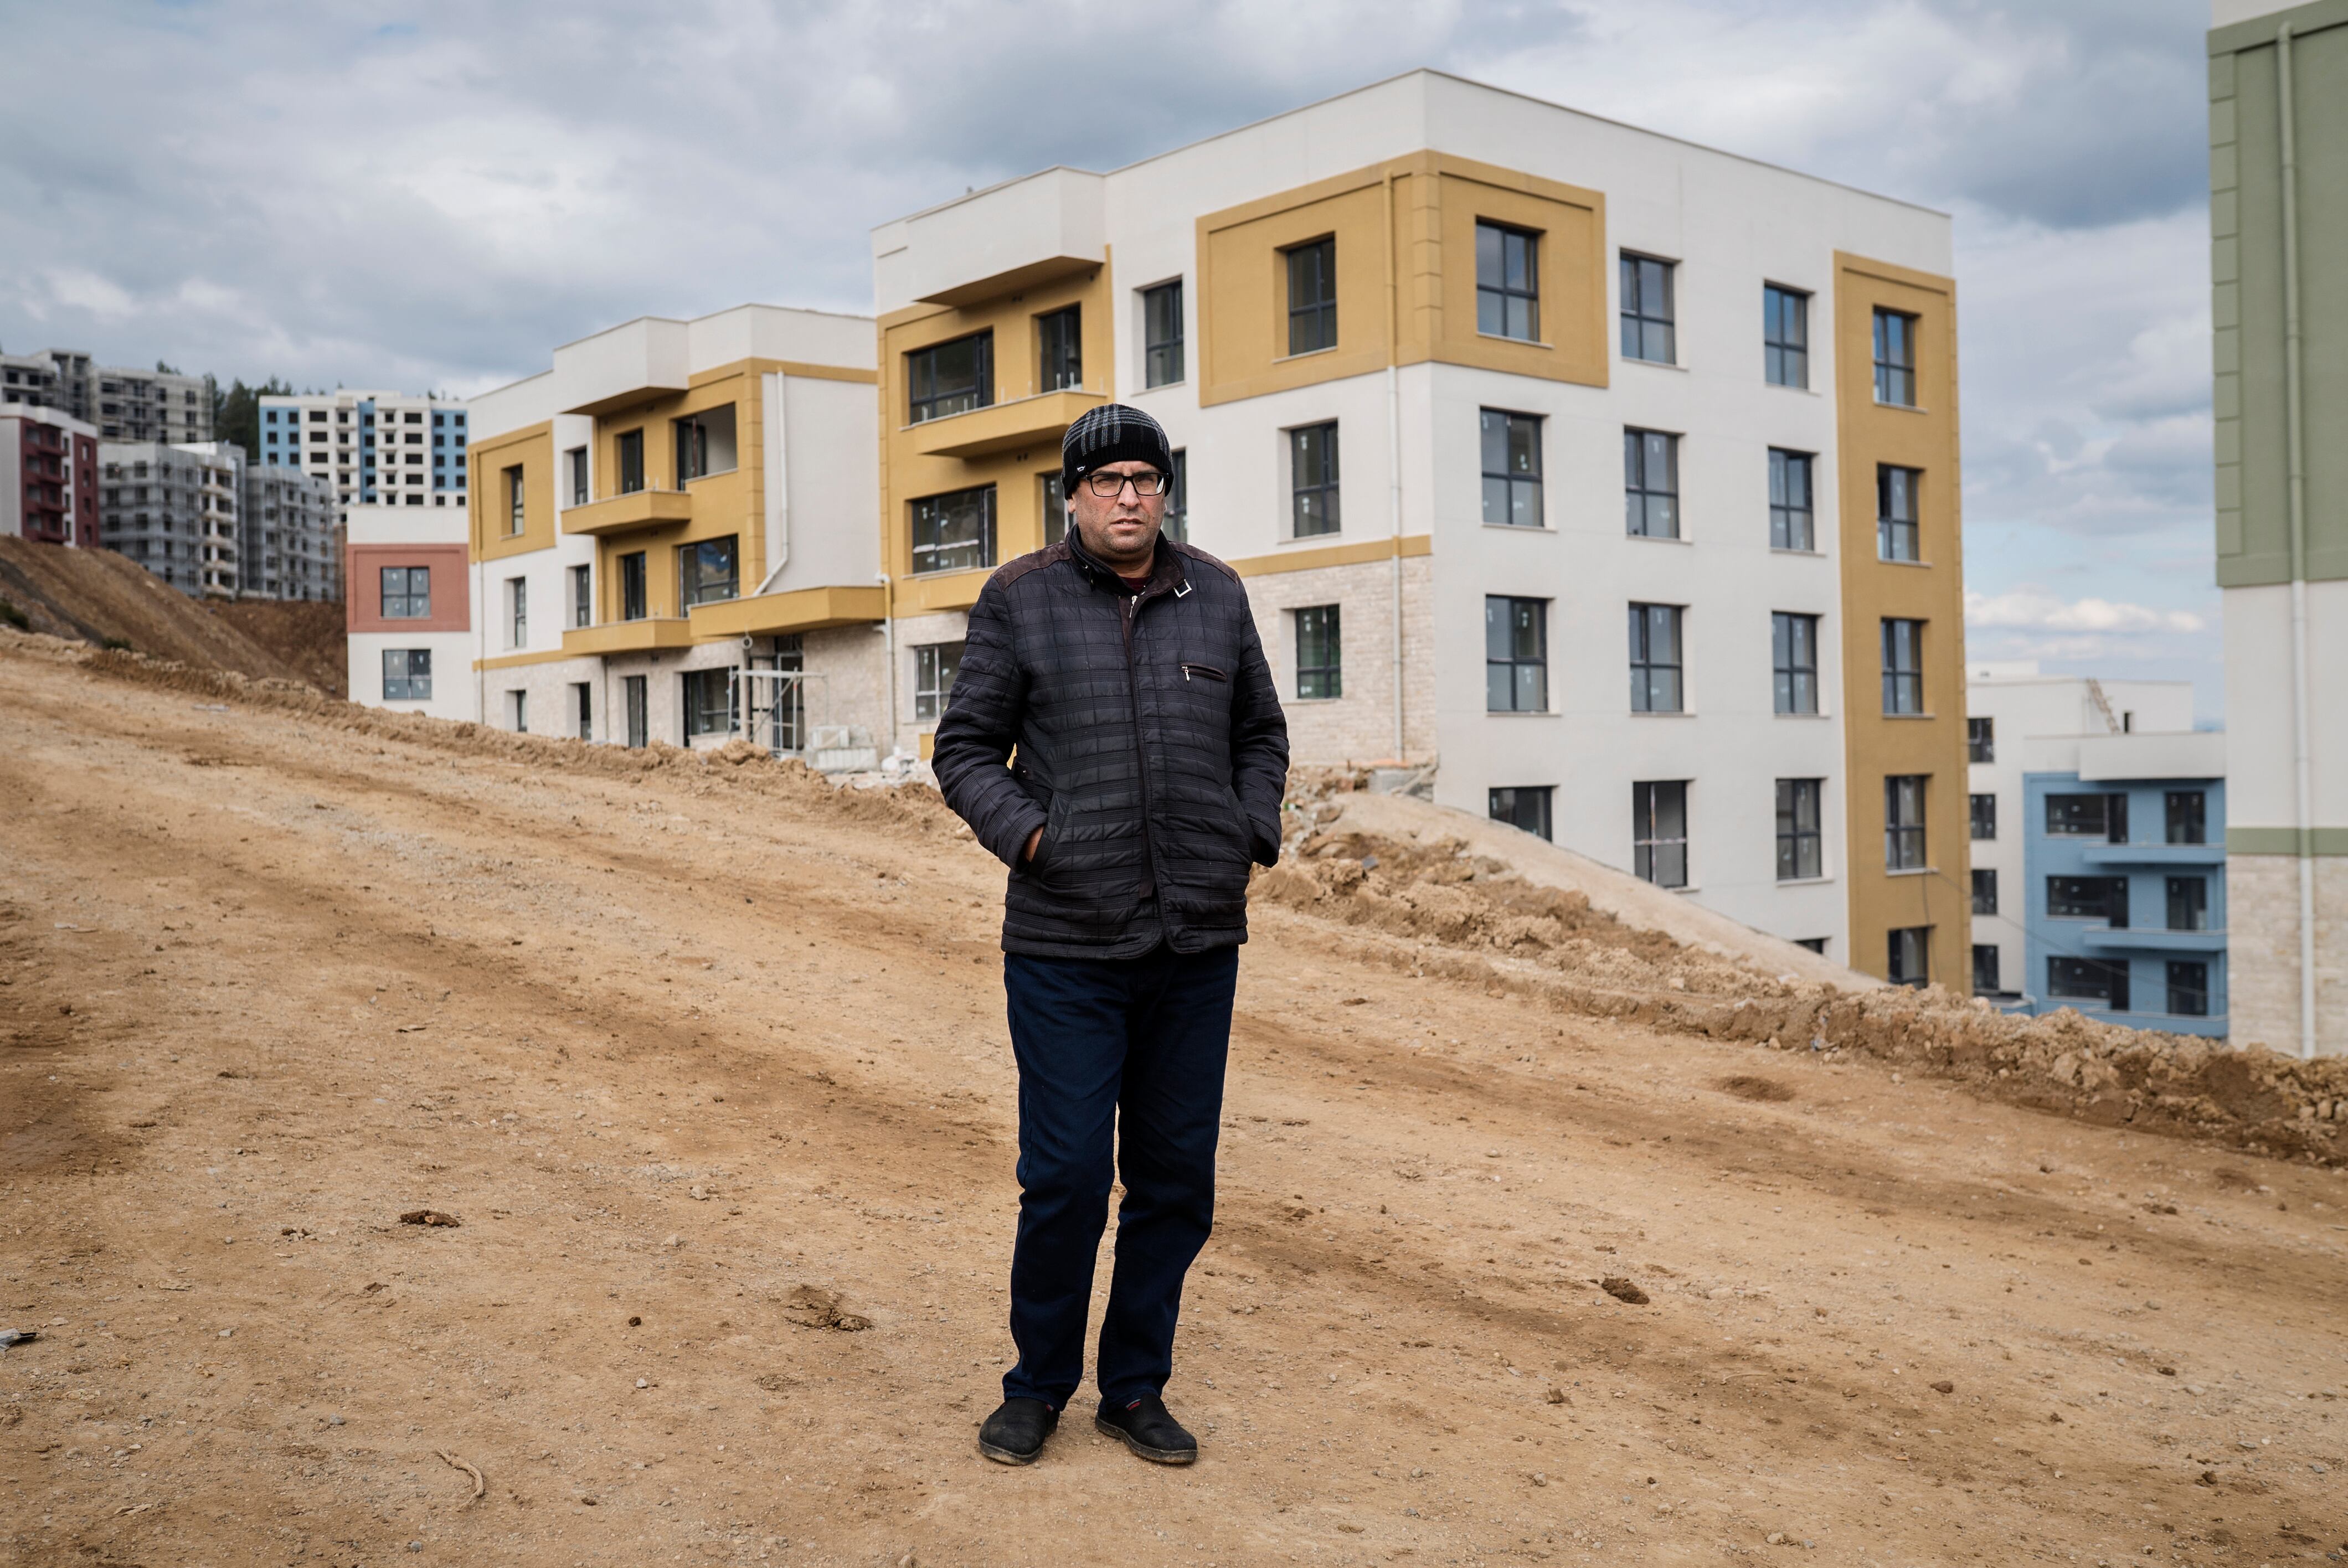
(174, 509)
(120, 403)
(378, 448)
(48, 477)
(287, 532)
(407, 607)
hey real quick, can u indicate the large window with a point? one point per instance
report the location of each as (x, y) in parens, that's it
(1985, 968)
(1985, 890)
(407, 593)
(705, 443)
(1059, 350)
(936, 665)
(1658, 837)
(1651, 484)
(1980, 740)
(575, 462)
(1983, 808)
(2103, 816)
(1903, 822)
(514, 515)
(634, 604)
(1656, 675)
(630, 448)
(1522, 806)
(1895, 534)
(1793, 513)
(1516, 655)
(2090, 980)
(2188, 987)
(1785, 337)
(2088, 899)
(2189, 902)
(2188, 816)
(1648, 313)
(1177, 523)
(1903, 666)
(1161, 335)
(707, 572)
(1053, 504)
(582, 596)
(1320, 652)
(955, 531)
(1794, 661)
(1313, 297)
(1512, 470)
(950, 378)
(1507, 282)
(708, 700)
(1313, 478)
(1909, 961)
(407, 675)
(1801, 840)
(1895, 358)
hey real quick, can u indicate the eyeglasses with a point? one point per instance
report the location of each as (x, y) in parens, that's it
(1108, 486)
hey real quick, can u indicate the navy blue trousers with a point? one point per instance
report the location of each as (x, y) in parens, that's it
(1122, 1057)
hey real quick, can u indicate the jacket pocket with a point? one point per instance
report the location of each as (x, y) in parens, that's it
(1056, 822)
(1204, 672)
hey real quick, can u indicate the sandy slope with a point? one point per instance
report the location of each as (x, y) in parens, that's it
(266, 984)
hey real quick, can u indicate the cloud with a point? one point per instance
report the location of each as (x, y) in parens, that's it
(2036, 610)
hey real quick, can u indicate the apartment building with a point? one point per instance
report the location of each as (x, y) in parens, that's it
(121, 402)
(174, 509)
(379, 448)
(1611, 479)
(288, 523)
(48, 477)
(407, 606)
(675, 541)
(2279, 311)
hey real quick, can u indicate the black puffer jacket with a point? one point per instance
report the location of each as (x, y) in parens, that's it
(1149, 747)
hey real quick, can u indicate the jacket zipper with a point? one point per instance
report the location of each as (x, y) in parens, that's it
(1141, 756)
(1208, 671)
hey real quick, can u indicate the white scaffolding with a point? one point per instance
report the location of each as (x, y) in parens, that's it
(780, 723)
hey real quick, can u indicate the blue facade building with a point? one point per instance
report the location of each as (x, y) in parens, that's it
(2125, 858)
(380, 448)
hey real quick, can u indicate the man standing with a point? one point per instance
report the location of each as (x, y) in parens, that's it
(1118, 675)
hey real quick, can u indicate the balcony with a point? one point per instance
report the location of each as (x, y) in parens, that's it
(637, 509)
(624, 366)
(1023, 422)
(653, 635)
(2153, 854)
(2103, 939)
(782, 614)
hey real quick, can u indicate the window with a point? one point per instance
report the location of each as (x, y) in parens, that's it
(2189, 902)
(1651, 484)
(1177, 523)
(2088, 899)
(518, 713)
(935, 666)
(1814, 944)
(707, 572)
(1896, 536)
(1161, 335)
(1794, 661)
(705, 443)
(1313, 297)
(1507, 282)
(1647, 313)
(630, 448)
(1054, 506)
(636, 692)
(1785, 337)
(582, 599)
(954, 532)
(1655, 672)
(2089, 979)
(1516, 655)
(1659, 832)
(517, 612)
(1320, 663)
(513, 501)
(583, 709)
(2103, 816)
(632, 587)
(1512, 470)
(1909, 961)
(1527, 809)
(1984, 891)
(1903, 822)
(407, 675)
(2188, 987)
(576, 460)
(950, 378)
(2189, 817)
(709, 702)
(1903, 666)
(1980, 740)
(1801, 841)
(407, 593)
(1983, 808)
(1313, 478)
(1059, 350)
(1985, 970)
(1895, 358)
(1793, 517)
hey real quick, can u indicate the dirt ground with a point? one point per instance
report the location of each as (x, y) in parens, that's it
(711, 1068)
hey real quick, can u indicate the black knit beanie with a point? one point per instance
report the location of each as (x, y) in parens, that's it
(1113, 433)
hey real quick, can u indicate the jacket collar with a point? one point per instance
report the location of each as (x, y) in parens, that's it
(1165, 568)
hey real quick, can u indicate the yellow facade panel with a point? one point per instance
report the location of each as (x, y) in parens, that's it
(493, 461)
(651, 635)
(784, 614)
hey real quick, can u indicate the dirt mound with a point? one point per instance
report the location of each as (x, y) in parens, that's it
(101, 597)
(309, 639)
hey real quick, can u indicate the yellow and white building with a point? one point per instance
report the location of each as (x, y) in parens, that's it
(1612, 478)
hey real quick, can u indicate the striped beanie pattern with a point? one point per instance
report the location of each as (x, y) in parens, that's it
(1113, 433)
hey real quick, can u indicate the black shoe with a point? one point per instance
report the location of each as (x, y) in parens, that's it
(1144, 1427)
(1014, 1434)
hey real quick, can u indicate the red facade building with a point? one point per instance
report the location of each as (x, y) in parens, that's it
(48, 477)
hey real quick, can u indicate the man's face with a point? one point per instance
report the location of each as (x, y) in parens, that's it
(1120, 528)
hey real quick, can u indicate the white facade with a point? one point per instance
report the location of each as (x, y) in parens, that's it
(379, 448)
(391, 534)
(288, 527)
(175, 510)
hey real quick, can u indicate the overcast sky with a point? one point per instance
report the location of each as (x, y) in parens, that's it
(434, 195)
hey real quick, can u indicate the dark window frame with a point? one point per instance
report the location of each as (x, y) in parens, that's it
(697, 708)
(1512, 290)
(1176, 525)
(931, 512)
(406, 600)
(1903, 667)
(1645, 492)
(1985, 890)
(1657, 856)
(1898, 512)
(1658, 657)
(2188, 987)
(1801, 832)
(1515, 804)
(1894, 339)
(709, 571)
(582, 596)
(1794, 662)
(1908, 956)
(1980, 810)
(2102, 899)
(927, 397)
(1793, 517)
(635, 694)
(2067, 816)
(575, 459)
(1985, 974)
(517, 514)
(1785, 337)
(1311, 274)
(2076, 978)
(414, 683)
(1315, 501)
(1162, 335)
(1320, 651)
(1980, 740)
(2186, 816)
(1648, 307)
(628, 447)
(1512, 492)
(936, 665)
(1904, 845)
(1060, 350)
(2188, 896)
(1520, 673)
(635, 587)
